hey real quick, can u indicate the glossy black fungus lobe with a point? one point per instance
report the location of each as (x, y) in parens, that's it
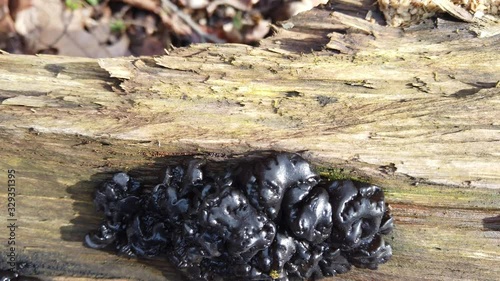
(268, 217)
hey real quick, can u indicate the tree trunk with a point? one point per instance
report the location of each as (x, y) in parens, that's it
(415, 111)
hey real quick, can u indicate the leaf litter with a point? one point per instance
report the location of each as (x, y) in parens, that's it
(113, 28)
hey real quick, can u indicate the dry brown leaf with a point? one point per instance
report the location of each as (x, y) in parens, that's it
(292, 8)
(303, 6)
(148, 5)
(258, 31)
(151, 46)
(150, 24)
(48, 24)
(194, 4)
(18, 5)
(7, 25)
(238, 4)
(100, 28)
(231, 34)
(6, 22)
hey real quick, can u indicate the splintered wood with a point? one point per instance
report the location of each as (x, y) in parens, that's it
(408, 12)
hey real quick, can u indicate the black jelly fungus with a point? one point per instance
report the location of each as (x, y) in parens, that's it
(267, 217)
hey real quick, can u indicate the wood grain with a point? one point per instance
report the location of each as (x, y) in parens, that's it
(416, 112)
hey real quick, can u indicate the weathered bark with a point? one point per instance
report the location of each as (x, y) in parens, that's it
(416, 112)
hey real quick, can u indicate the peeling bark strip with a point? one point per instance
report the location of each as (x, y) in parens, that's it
(406, 109)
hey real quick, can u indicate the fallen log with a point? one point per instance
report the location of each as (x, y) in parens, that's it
(414, 111)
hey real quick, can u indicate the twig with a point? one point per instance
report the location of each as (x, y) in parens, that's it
(167, 5)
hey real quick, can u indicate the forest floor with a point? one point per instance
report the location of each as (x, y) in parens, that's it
(114, 28)
(107, 28)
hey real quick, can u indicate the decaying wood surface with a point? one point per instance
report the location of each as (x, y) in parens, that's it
(415, 111)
